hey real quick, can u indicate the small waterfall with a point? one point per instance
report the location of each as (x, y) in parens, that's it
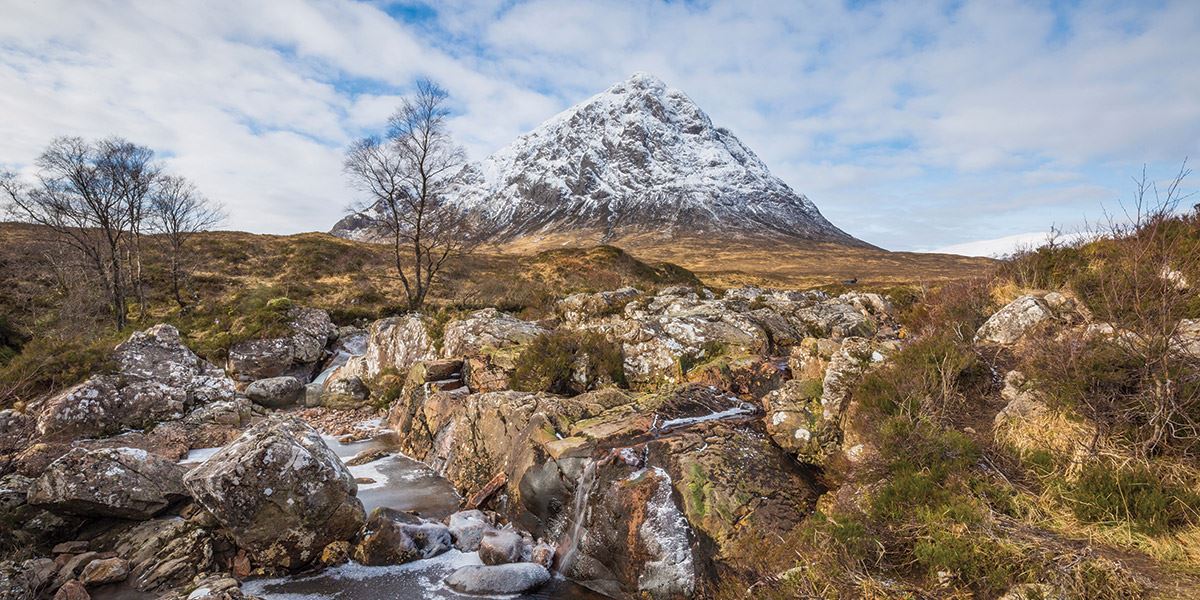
(570, 544)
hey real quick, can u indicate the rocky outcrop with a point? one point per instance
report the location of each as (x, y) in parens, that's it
(296, 354)
(164, 553)
(276, 392)
(156, 379)
(578, 308)
(281, 492)
(393, 344)
(1012, 322)
(393, 537)
(664, 336)
(486, 330)
(117, 482)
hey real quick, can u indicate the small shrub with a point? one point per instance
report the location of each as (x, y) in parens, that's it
(568, 362)
(1133, 495)
(708, 351)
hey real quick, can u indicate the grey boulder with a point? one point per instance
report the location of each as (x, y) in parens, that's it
(276, 392)
(512, 578)
(281, 492)
(109, 482)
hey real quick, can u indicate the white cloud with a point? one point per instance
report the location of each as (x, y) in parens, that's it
(911, 123)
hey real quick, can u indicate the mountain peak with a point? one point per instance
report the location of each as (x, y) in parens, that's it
(638, 159)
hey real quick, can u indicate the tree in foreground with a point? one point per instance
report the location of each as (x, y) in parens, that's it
(409, 176)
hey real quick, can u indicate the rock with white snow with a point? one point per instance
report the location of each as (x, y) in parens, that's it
(157, 378)
(110, 482)
(281, 492)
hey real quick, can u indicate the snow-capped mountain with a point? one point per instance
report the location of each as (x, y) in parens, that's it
(639, 159)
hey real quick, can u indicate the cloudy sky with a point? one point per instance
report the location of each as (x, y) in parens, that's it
(912, 125)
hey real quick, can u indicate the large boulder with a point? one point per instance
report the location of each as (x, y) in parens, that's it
(281, 492)
(1012, 322)
(483, 580)
(393, 344)
(345, 393)
(487, 329)
(394, 537)
(276, 392)
(110, 482)
(157, 378)
(296, 354)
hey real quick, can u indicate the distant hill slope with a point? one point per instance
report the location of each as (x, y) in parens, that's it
(639, 160)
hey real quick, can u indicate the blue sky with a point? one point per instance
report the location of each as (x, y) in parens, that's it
(913, 125)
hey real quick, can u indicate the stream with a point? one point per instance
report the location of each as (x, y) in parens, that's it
(404, 484)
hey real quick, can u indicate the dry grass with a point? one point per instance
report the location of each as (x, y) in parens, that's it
(726, 263)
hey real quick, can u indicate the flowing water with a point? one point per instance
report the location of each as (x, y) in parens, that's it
(570, 544)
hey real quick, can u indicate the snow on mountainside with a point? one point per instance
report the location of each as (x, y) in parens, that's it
(638, 158)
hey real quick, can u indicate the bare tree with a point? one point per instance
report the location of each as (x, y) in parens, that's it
(178, 211)
(409, 175)
(92, 197)
(131, 171)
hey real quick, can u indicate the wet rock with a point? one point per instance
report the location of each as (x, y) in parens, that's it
(104, 570)
(501, 546)
(218, 586)
(281, 492)
(636, 542)
(395, 537)
(345, 392)
(1012, 322)
(117, 482)
(157, 379)
(467, 528)
(296, 354)
(795, 420)
(72, 590)
(511, 578)
(275, 392)
(542, 553)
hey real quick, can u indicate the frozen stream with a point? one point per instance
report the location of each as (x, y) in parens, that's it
(404, 484)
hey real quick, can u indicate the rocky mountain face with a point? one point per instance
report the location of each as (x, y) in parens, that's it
(638, 159)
